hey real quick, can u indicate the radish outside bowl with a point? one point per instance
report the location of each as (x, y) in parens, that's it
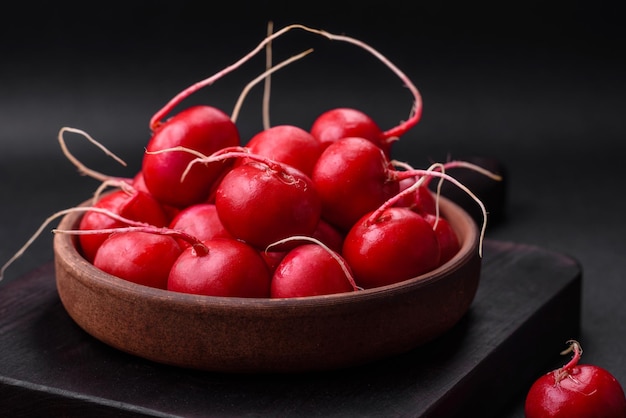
(249, 335)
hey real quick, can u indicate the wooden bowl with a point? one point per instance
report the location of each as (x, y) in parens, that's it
(227, 334)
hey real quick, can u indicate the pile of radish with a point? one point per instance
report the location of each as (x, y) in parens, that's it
(291, 212)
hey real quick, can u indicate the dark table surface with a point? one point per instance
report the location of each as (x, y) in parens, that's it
(541, 91)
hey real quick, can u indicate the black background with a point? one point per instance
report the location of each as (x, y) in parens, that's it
(540, 88)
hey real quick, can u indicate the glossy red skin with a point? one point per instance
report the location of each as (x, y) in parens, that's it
(201, 221)
(421, 200)
(139, 184)
(140, 257)
(343, 122)
(136, 206)
(589, 392)
(272, 258)
(449, 243)
(352, 177)
(398, 246)
(329, 235)
(204, 129)
(287, 144)
(309, 270)
(231, 268)
(260, 205)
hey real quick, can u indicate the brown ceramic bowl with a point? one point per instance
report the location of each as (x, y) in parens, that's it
(268, 335)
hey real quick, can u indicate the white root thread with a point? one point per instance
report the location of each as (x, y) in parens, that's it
(125, 186)
(433, 173)
(56, 215)
(251, 84)
(332, 253)
(81, 167)
(155, 120)
(178, 148)
(442, 176)
(267, 87)
(389, 135)
(394, 133)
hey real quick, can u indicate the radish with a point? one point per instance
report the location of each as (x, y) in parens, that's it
(263, 201)
(272, 259)
(576, 390)
(260, 203)
(200, 220)
(138, 183)
(146, 254)
(311, 269)
(448, 241)
(136, 206)
(352, 177)
(344, 122)
(390, 246)
(284, 184)
(220, 267)
(203, 129)
(422, 200)
(140, 257)
(394, 243)
(329, 235)
(325, 234)
(287, 144)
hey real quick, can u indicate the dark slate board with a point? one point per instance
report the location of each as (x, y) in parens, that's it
(527, 306)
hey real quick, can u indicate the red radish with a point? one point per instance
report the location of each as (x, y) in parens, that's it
(325, 234)
(136, 206)
(343, 122)
(287, 144)
(138, 183)
(272, 259)
(311, 270)
(329, 236)
(263, 201)
(422, 200)
(576, 390)
(260, 204)
(389, 246)
(352, 177)
(202, 129)
(448, 241)
(140, 257)
(223, 267)
(201, 221)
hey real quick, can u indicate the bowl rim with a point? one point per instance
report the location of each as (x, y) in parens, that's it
(65, 247)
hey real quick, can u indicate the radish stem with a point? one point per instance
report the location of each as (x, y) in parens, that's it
(264, 75)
